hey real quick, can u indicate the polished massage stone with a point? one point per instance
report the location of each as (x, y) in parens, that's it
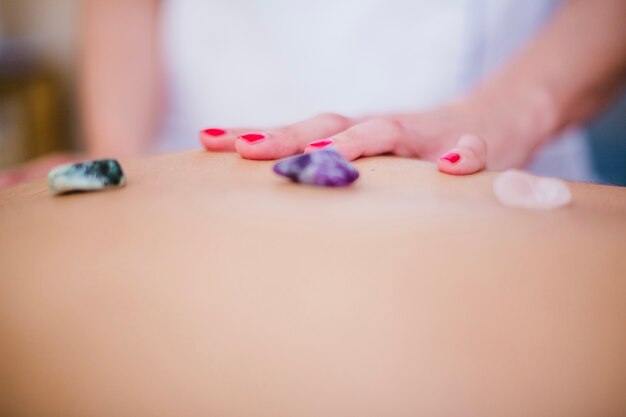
(519, 189)
(86, 176)
(325, 167)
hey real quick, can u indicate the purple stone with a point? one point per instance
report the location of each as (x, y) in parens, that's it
(325, 167)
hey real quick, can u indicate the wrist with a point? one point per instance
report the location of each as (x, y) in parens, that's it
(530, 113)
(521, 116)
(514, 121)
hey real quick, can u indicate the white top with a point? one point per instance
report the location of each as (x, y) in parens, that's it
(263, 63)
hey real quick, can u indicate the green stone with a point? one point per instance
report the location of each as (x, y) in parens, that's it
(86, 176)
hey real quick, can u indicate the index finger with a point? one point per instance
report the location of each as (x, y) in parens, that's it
(292, 139)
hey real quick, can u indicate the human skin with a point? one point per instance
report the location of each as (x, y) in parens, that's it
(121, 85)
(570, 71)
(122, 81)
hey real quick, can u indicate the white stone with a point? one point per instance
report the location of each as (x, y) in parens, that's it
(520, 189)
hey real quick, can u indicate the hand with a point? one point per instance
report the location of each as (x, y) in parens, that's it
(38, 167)
(463, 137)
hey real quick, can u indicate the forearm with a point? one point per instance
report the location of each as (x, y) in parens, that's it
(568, 73)
(121, 80)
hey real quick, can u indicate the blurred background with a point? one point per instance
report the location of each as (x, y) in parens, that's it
(37, 66)
(38, 109)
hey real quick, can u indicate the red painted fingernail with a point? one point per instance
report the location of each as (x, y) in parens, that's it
(214, 132)
(452, 157)
(321, 143)
(253, 137)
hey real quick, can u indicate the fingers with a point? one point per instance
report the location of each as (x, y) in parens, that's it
(469, 156)
(373, 137)
(220, 140)
(289, 140)
(353, 140)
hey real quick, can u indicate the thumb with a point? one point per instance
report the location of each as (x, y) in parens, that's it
(467, 157)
